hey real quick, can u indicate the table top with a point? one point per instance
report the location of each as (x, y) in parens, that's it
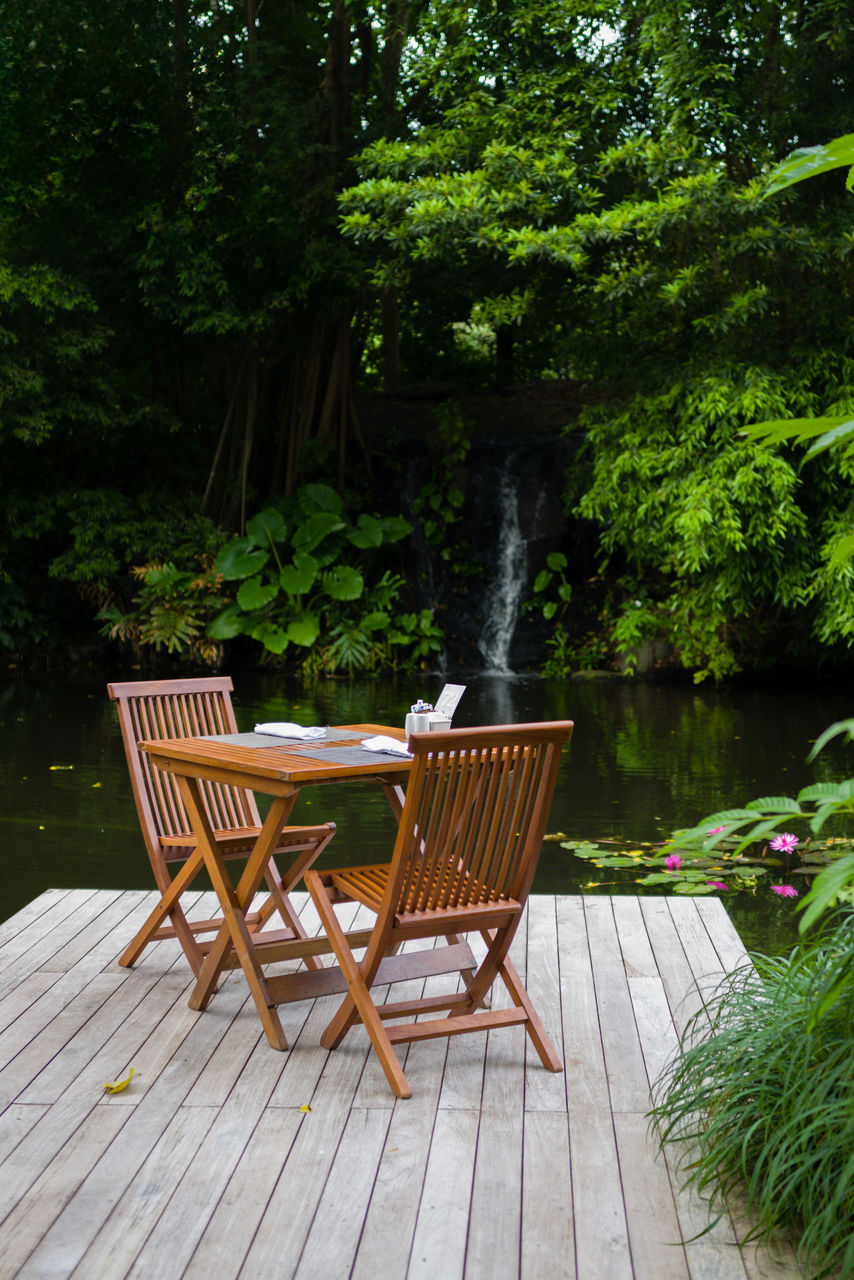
(241, 757)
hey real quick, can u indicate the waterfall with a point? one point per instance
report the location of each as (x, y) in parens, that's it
(511, 574)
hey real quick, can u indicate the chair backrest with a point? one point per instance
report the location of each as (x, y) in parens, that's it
(477, 802)
(154, 709)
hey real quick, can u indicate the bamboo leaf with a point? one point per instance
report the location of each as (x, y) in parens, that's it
(775, 804)
(833, 731)
(806, 162)
(825, 890)
(835, 436)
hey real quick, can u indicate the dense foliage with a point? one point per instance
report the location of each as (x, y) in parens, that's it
(758, 1097)
(222, 223)
(760, 1100)
(621, 236)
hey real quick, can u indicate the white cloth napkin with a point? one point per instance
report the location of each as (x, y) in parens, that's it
(384, 743)
(281, 729)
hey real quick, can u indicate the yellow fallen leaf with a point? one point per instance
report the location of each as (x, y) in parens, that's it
(305, 1107)
(96, 784)
(54, 767)
(116, 1086)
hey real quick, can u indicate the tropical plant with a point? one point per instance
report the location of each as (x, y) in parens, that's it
(309, 577)
(758, 1101)
(758, 1097)
(731, 836)
(171, 610)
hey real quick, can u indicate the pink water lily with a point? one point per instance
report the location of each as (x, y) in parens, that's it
(717, 884)
(785, 842)
(715, 831)
(784, 890)
(674, 862)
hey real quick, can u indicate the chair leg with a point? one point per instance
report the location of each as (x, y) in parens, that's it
(278, 901)
(170, 906)
(358, 1005)
(281, 886)
(499, 944)
(545, 1049)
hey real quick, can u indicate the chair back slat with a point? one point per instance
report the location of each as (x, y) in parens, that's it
(474, 817)
(156, 709)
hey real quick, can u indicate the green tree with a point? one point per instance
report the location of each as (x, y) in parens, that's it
(180, 320)
(607, 207)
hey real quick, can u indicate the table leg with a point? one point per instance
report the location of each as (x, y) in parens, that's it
(234, 931)
(396, 797)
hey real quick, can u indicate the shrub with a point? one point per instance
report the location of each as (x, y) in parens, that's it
(762, 1100)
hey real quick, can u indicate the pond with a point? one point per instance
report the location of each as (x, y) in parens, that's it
(644, 760)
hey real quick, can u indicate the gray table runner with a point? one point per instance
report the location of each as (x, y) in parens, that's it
(274, 740)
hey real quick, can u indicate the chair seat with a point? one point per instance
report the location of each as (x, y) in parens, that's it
(368, 885)
(238, 841)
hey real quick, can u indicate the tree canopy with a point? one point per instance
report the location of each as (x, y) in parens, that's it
(222, 224)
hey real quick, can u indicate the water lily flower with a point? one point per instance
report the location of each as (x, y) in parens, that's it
(717, 884)
(785, 842)
(715, 831)
(784, 890)
(674, 862)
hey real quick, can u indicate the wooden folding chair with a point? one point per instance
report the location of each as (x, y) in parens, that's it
(464, 859)
(156, 709)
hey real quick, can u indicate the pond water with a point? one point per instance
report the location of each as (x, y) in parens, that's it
(644, 759)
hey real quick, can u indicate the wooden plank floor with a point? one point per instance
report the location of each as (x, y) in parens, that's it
(211, 1166)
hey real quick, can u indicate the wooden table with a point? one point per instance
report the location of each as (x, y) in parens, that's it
(281, 770)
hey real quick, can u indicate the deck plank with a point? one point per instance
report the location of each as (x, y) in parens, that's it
(225, 1160)
(601, 1235)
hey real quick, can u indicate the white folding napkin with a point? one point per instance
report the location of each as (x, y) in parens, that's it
(281, 729)
(384, 743)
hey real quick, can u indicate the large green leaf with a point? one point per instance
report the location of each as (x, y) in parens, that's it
(330, 549)
(319, 497)
(305, 630)
(271, 636)
(254, 594)
(806, 162)
(267, 526)
(317, 527)
(395, 528)
(298, 577)
(240, 559)
(228, 624)
(343, 583)
(368, 533)
(374, 621)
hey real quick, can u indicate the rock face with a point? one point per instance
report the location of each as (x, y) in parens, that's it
(513, 481)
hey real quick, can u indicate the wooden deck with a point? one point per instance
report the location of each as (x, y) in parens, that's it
(227, 1159)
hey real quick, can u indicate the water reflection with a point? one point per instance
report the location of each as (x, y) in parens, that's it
(643, 760)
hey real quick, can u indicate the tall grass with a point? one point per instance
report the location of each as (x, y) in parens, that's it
(763, 1098)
